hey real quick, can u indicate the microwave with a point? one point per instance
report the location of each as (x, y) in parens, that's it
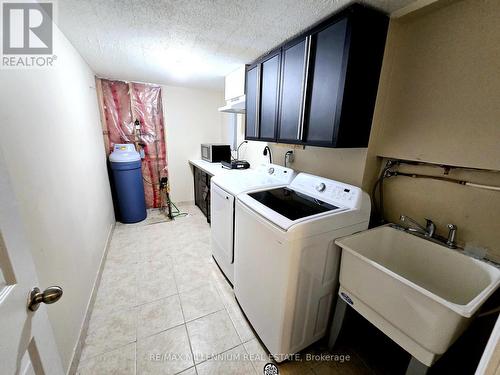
(215, 153)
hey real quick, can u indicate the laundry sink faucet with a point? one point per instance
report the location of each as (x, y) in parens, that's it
(428, 231)
(451, 241)
(267, 151)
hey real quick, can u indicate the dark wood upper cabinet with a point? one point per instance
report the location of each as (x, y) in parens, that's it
(252, 96)
(328, 63)
(293, 67)
(262, 96)
(365, 44)
(269, 94)
(328, 81)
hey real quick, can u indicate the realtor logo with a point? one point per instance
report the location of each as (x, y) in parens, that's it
(27, 28)
(27, 35)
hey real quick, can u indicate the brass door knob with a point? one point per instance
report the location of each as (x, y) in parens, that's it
(50, 295)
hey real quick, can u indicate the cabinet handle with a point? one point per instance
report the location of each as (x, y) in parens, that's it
(305, 78)
(257, 101)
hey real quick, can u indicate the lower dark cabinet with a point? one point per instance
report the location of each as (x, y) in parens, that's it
(202, 191)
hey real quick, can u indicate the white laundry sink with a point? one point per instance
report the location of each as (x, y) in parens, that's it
(421, 294)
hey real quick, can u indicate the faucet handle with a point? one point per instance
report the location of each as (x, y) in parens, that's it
(452, 235)
(430, 227)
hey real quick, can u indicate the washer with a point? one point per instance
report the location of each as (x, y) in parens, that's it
(223, 191)
(286, 261)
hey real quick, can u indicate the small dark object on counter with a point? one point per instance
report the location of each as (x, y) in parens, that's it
(236, 164)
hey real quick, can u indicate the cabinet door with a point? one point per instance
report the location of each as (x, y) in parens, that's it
(292, 91)
(197, 194)
(252, 103)
(209, 198)
(327, 84)
(204, 193)
(270, 72)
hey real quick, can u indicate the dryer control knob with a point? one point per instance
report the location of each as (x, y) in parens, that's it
(321, 187)
(270, 170)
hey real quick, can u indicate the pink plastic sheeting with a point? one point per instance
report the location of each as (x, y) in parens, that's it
(122, 104)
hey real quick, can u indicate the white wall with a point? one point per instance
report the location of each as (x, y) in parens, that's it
(191, 118)
(438, 102)
(52, 140)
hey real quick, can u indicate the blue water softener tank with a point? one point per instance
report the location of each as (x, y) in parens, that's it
(126, 165)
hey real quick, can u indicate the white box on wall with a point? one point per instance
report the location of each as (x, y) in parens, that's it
(235, 84)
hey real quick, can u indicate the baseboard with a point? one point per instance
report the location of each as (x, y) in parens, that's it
(77, 352)
(185, 203)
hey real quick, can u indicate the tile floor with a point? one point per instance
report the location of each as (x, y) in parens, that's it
(163, 307)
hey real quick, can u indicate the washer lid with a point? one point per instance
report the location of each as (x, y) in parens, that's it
(124, 153)
(290, 203)
(286, 207)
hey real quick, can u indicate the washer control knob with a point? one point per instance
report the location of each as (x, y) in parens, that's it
(270, 170)
(321, 187)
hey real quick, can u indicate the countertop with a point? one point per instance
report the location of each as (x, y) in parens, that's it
(210, 168)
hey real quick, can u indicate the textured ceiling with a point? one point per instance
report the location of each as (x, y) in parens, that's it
(190, 43)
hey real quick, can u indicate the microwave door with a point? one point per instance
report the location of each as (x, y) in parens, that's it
(205, 153)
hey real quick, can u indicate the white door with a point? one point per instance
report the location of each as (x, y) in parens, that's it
(222, 219)
(27, 343)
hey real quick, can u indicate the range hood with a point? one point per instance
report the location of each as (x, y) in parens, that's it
(234, 91)
(236, 105)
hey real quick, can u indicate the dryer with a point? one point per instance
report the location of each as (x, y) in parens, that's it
(223, 189)
(286, 261)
